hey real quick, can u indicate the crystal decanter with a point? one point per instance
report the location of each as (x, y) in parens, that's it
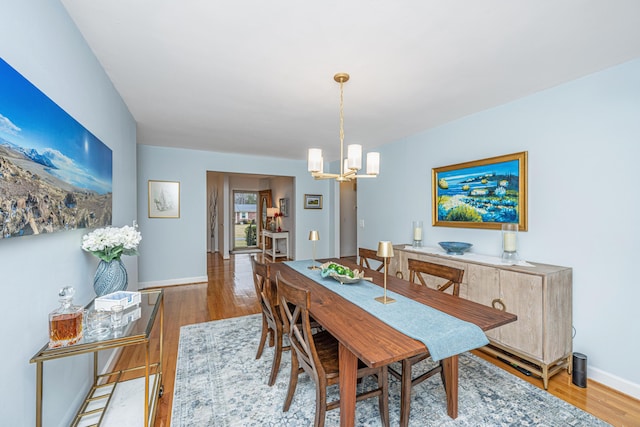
(65, 323)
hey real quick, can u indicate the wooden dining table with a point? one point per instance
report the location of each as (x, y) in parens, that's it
(363, 336)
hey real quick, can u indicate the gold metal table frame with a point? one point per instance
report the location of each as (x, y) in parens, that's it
(135, 332)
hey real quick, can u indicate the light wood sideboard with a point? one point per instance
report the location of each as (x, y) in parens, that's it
(540, 341)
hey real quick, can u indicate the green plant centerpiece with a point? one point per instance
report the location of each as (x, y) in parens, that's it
(341, 273)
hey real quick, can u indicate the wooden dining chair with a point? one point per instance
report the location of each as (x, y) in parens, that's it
(367, 255)
(453, 277)
(317, 355)
(272, 324)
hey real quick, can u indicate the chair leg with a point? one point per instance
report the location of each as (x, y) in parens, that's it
(383, 399)
(271, 337)
(321, 403)
(293, 382)
(263, 337)
(405, 393)
(277, 355)
(444, 382)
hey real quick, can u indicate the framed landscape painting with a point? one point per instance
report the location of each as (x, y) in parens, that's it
(481, 194)
(313, 201)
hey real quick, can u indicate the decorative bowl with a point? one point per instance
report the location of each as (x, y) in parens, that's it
(325, 271)
(455, 248)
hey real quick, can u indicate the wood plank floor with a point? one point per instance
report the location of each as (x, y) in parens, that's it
(230, 293)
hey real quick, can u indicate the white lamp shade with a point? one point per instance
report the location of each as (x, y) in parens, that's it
(271, 212)
(314, 235)
(354, 156)
(373, 163)
(385, 249)
(314, 160)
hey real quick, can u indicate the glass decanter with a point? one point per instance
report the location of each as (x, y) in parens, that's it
(65, 322)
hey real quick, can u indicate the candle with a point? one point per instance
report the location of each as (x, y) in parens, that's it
(509, 242)
(417, 233)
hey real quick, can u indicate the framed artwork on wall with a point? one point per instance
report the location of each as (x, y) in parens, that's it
(313, 201)
(284, 207)
(482, 193)
(55, 175)
(164, 199)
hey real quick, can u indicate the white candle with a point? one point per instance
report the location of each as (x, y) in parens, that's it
(509, 242)
(417, 233)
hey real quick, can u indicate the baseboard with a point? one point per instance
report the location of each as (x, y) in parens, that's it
(172, 282)
(614, 382)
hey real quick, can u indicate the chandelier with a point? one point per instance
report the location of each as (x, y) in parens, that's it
(350, 165)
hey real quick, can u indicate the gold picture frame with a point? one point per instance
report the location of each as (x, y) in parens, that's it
(164, 199)
(482, 193)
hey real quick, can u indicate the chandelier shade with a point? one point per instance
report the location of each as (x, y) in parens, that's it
(350, 165)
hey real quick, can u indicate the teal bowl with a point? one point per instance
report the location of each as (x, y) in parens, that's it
(455, 248)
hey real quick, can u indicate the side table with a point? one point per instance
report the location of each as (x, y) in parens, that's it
(275, 236)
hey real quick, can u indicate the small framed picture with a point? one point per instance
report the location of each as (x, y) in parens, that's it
(284, 207)
(164, 199)
(313, 201)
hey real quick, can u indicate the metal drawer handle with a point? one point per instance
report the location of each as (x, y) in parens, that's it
(399, 275)
(498, 301)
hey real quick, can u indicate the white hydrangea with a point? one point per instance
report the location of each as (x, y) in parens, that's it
(111, 243)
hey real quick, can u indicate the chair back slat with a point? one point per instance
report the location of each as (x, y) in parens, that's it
(453, 275)
(294, 305)
(367, 255)
(261, 277)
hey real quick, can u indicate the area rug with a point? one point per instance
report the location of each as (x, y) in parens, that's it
(220, 383)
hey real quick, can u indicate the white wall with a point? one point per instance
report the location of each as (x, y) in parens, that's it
(174, 250)
(583, 140)
(38, 39)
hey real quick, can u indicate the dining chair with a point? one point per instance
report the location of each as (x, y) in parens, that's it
(317, 355)
(367, 255)
(453, 277)
(272, 325)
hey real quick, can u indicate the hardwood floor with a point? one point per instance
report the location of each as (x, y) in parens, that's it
(230, 293)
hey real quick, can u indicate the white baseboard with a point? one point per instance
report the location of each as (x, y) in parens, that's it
(615, 382)
(172, 282)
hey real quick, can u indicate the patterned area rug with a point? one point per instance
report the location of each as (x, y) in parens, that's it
(220, 383)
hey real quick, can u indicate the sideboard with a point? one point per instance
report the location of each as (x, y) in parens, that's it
(540, 341)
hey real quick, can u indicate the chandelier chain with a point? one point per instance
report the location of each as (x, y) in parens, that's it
(341, 127)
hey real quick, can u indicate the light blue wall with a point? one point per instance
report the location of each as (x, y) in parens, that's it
(176, 249)
(38, 39)
(583, 140)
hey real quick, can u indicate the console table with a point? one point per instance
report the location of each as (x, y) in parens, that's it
(137, 325)
(275, 236)
(540, 341)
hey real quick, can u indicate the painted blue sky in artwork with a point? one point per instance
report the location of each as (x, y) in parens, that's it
(504, 168)
(32, 121)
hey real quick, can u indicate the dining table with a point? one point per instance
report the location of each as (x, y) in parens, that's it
(362, 335)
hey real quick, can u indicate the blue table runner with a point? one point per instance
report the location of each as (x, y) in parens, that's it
(442, 334)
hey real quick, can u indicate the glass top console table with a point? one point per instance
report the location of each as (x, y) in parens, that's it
(138, 322)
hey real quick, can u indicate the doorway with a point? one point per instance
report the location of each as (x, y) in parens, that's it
(348, 219)
(245, 214)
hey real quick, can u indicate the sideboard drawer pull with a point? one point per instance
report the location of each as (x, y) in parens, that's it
(399, 275)
(498, 301)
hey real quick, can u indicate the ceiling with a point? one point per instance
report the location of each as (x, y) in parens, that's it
(256, 77)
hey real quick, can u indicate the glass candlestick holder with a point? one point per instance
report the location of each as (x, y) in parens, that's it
(510, 243)
(417, 234)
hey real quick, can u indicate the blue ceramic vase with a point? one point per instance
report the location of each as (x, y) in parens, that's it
(110, 277)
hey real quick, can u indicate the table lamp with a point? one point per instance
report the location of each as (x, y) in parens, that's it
(271, 213)
(314, 236)
(385, 250)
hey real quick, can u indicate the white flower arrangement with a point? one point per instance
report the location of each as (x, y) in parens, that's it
(111, 243)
